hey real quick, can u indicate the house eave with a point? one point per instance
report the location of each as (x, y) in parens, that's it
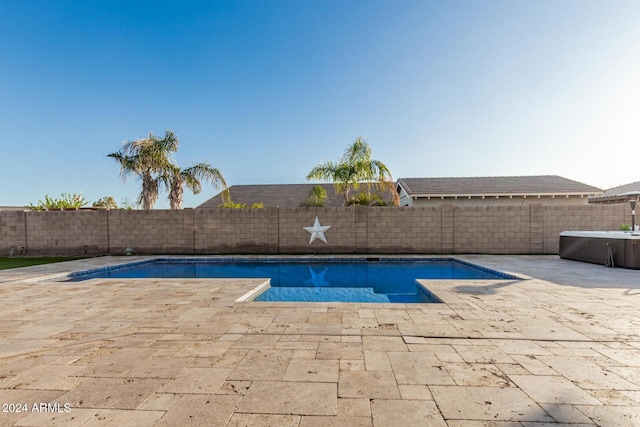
(499, 195)
(619, 198)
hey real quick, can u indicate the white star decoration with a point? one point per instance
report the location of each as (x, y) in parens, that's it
(317, 231)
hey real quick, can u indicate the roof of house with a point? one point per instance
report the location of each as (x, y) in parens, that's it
(282, 195)
(13, 208)
(617, 194)
(496, 185)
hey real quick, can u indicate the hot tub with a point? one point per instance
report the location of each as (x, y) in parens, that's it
(614, 248)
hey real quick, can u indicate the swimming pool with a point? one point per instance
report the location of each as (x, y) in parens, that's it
(314, 280)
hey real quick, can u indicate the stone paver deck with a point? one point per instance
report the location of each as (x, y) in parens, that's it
(561, 347)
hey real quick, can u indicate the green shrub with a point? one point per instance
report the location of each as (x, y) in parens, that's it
(366, 199)
(625, 227)
(317, 198)
(66, 201)
(233, 205)
(106, 202)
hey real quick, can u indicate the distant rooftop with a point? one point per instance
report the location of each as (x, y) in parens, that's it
(282, 195)
(13, 208)
(616, 194)
(496, 185)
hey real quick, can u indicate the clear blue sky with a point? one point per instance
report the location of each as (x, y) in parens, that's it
(264, 90)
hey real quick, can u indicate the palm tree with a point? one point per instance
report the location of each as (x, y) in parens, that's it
(148, 158)
(354, 168)
(191, 177)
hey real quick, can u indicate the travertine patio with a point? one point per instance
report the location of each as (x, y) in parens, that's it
(561, 347)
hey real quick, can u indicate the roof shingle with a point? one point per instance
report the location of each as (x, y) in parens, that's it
(508, 185)
(616, 191)
(617, 194)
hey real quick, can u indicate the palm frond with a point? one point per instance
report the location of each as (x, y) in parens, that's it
(192, 183)
(359, 150)
(381, 171)
(203, 172)
(128, 164)
(326, 172)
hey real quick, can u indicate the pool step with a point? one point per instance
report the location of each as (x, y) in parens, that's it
(406, 298)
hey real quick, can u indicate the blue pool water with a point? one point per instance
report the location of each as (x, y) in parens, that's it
(341, 280)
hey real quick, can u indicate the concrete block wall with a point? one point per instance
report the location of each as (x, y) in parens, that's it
(585, 218)
(449, 229)
(536, 225)
(492, 229)
(219, 231)
(75, 232)
(360, 226)
(12, 232)
(404, 230)
(447, 219)
(151, 232)
(341, 236)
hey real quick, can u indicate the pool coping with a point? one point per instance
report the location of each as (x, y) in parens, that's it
(253, 293)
